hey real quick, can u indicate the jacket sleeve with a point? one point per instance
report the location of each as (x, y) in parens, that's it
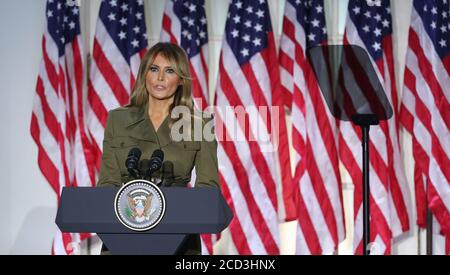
(109, 169)
(206, 167)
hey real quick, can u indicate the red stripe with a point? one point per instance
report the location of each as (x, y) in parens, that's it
(197, 89)
(207, 242)
(54, 127)
(46, 166)
(307, 226)
(424, 115)
(426, 69)
(244, 184)
(324, 124)
(205, 72)
(439, 209)
(421, 197)
(49, 67)
(270, 59)
(97, 105)
(85, 143)
(255, 89)
(67, 242)
(110, 75)
(396, 192)
(167, 26)
(97, 153)
(321, 193)
(237, 233)
(257, 157)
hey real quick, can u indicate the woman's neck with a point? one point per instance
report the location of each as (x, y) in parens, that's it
(159, 107)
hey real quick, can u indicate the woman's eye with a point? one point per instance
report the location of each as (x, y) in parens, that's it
(170, 71)
(154, 69)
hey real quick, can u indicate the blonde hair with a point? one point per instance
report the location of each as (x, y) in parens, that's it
(180, 64)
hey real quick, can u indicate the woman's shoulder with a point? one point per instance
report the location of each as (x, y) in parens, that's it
(126, 115)
(123, 109)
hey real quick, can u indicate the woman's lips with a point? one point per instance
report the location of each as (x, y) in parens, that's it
(159, 88)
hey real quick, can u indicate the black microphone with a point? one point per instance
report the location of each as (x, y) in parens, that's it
(132, 162)
(155, 162)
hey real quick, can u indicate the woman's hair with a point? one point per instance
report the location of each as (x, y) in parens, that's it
(180, 64)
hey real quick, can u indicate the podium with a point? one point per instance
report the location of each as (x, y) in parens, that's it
(188, 211)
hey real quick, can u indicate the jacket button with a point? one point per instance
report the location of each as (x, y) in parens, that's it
(122, 144)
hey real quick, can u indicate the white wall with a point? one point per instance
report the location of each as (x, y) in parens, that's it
(27, 203)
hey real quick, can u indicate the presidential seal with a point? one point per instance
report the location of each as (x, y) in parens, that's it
(140, 205)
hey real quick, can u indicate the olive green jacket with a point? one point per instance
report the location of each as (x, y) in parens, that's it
(129, 127)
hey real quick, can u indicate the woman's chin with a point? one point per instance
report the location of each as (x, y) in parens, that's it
(161, 96)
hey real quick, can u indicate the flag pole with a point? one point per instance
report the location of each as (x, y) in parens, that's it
(429, 226)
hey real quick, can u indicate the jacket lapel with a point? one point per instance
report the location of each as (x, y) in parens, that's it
(141, 127)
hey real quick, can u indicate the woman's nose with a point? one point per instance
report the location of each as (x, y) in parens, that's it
(161, 76)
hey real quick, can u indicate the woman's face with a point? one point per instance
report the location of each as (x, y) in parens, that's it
(161, 80)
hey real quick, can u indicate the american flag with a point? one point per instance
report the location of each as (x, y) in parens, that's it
(119, 44)
(57, 123)
(370, 27)
(425, 108)
(184, 23)
(249, 170)
(314, 132)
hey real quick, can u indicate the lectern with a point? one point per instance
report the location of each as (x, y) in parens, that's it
(188, 211)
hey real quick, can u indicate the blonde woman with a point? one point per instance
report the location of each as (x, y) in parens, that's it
(163, 85)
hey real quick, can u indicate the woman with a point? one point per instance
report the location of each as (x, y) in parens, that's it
(163, 84)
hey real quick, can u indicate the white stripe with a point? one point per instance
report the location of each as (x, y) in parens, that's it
(47, 140)
(358, 228)
(175, 23)
(102, 88)
(262, 76)
(80, 167)
(95, 128)
(291, 13)
(201, 75)
(409, 100)
(255, 180)
(286, 80)
(112, 54)
(438, 68)
(315, 213)
(440, 183)
(235, 74)
(52, 50)
(135, 62)
(58, 244)
(165, 36)
(240, 83)
(324, 164)
(242, 212)
(301, 245)
(426, 96)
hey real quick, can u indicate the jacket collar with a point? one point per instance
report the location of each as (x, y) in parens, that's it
(141, 127)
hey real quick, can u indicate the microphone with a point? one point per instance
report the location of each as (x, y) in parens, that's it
(132, 162)
(155, 162)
